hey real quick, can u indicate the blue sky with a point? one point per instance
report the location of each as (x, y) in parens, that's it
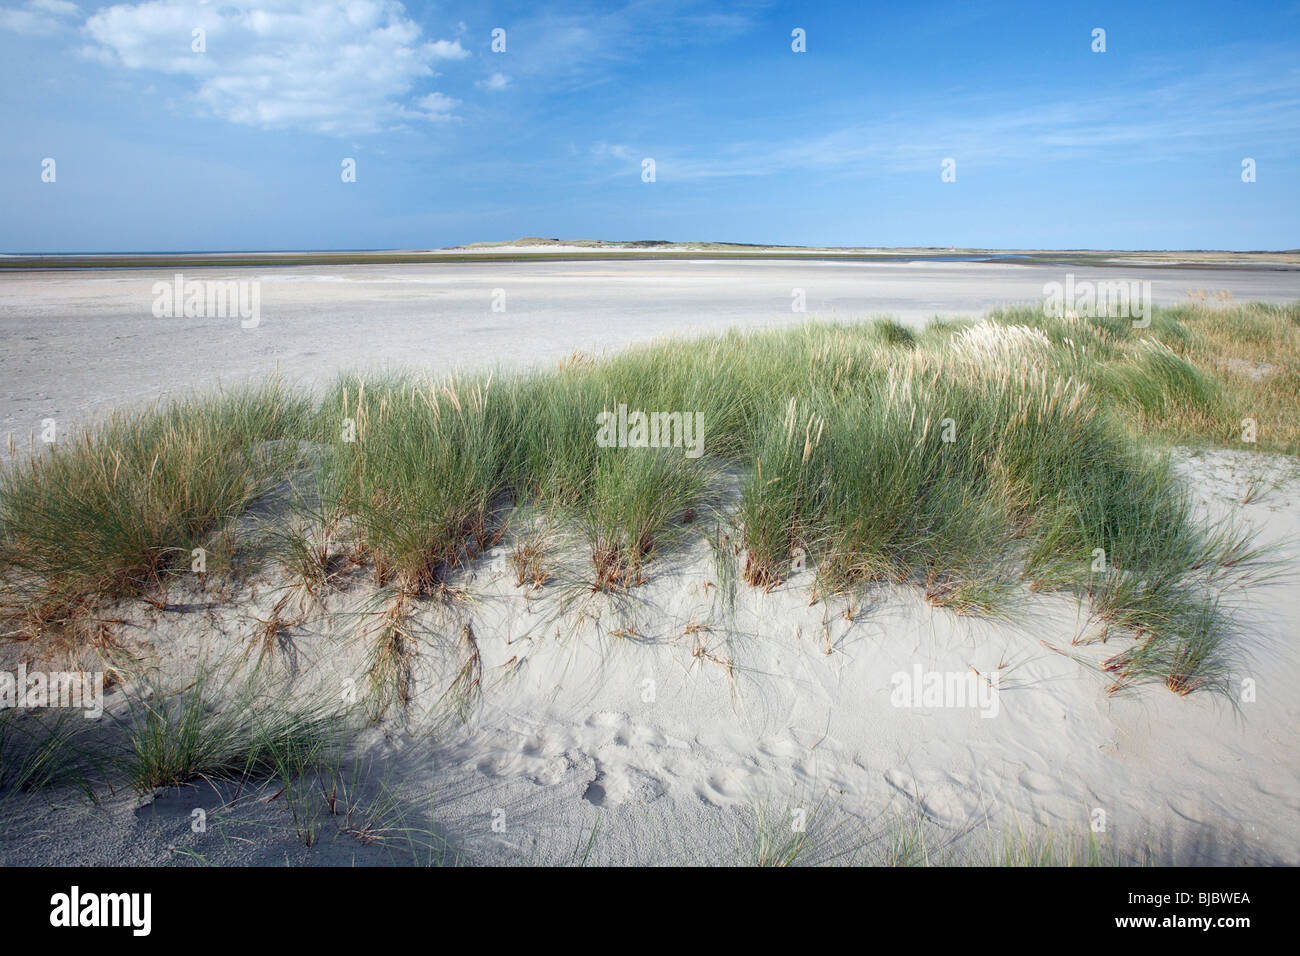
(158, 147)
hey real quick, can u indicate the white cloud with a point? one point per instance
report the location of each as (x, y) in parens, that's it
(494, 83)
(1188, 114)
(449, 50)
(616, 151)
(38, 17)
(582, 48)
(437, 107)
(333, 66)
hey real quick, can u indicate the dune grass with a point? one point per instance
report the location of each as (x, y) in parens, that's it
(111, 512)
(416, 467)
(1194, 375)
(222, 730)
(970, 459)
(908, 839)
(39, 751)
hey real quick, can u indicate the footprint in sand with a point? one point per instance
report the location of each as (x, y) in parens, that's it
(606, 718)
(946, 801)
(550, 772)
(496, 766)
(725, 787)
(782, 749)
(1037, 782)
(628, 785)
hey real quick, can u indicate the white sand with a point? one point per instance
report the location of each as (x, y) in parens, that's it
(567, 735)
(76, 343)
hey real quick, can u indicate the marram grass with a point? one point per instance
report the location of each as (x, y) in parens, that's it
(109, 513)
(970, 459)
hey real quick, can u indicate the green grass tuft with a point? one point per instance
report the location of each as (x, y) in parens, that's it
(969, 459)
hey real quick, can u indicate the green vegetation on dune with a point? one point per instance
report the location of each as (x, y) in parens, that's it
(972, 460)
(111, 512)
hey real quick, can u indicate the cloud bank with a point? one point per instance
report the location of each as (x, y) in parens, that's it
(329, 66)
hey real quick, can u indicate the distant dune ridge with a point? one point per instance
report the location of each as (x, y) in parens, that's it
(542, 248)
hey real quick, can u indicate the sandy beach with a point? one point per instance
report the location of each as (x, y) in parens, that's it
(627, 436)
(675, 745)
(75, 343)
(677, 723)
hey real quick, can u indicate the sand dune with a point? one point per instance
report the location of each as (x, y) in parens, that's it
(670, 724)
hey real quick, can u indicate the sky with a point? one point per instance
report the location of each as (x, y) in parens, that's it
(238, 137)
